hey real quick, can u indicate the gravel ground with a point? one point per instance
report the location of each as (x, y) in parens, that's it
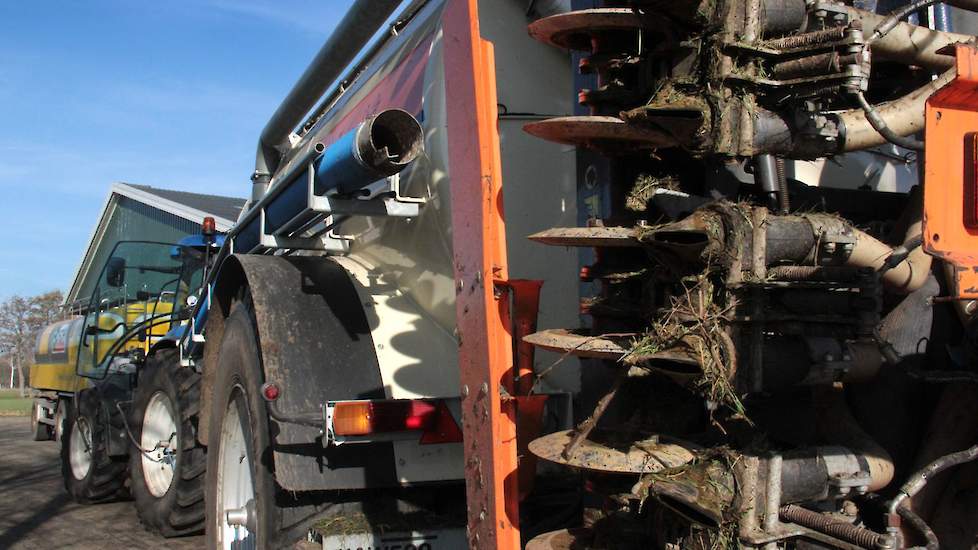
(36, 513)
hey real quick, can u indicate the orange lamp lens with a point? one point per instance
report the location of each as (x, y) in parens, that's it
(352, 418)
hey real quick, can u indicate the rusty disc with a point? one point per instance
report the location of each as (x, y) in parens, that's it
(579, 344)
(573, 30)
(564, 539)
(609, 451)
(599, 132)
(587, 236)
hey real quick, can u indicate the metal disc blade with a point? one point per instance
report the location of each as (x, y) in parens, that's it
(587, 236)
(564, 539)
(581, 345)
(598, 132)
(573, 30)
(608, 451)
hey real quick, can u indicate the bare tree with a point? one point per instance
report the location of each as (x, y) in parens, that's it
(21, 319)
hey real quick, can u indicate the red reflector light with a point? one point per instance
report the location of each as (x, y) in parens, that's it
(444, 429)
(432, 418)
(270, 391)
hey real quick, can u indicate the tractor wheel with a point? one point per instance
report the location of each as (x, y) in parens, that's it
(166, 474)
(60, 416)
(90, 474)
(240, 499)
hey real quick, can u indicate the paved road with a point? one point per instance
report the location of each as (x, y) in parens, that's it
(36, 513)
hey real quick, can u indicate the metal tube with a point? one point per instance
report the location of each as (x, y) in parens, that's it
(772, 493)
(353, 32)
(883, 129)
(766, 174)
(903, 116)
(837, 424)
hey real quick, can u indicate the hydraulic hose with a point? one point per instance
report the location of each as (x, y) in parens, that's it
(896, 16)
(921, 526)
(901, 117)
(878, 124)
(911, 44)
(919, 479)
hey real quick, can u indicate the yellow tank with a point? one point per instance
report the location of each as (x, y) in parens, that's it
(55, 356)
(55, 365)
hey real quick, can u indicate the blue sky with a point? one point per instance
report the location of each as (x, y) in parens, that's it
(171, 94)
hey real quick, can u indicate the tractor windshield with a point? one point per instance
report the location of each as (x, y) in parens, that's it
(143, 289)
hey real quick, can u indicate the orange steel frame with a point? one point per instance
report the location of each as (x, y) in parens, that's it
(949, 172)
(482, 302)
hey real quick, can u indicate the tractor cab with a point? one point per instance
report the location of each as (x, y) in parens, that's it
(143, 298)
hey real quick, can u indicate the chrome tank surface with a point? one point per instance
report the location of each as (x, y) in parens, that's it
(407, 264)
(416, 253)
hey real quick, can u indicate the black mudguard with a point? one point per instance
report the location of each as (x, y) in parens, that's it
(315, 344)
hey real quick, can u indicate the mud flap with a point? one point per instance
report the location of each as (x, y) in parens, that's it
(315, 344)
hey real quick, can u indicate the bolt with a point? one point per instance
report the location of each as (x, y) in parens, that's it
(465, 390)
(970, 307)
(830, 247)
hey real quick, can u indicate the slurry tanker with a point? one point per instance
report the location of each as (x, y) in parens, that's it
(591, 274)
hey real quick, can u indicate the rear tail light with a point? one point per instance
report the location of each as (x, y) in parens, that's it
(361, 419)
(971, 180)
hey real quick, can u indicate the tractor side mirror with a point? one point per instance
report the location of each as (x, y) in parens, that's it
(115, 271)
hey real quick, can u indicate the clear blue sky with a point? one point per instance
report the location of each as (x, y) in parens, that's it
(171, 94)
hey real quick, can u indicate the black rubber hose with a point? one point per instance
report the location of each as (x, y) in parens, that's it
(921, 526)
(878, 124)
(901, 253)
(919, 479)
(896, 16)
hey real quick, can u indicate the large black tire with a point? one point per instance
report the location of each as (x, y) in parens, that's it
(179, 509)
(105, 478)
(39, 430)
(60, 418)
(237, 386)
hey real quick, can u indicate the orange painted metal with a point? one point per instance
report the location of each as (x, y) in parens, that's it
(482, 309)
(529, 408)
(949, 181)
(526, 306)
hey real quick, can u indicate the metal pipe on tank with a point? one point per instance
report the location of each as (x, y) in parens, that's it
(378, 147)
(353, 32)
